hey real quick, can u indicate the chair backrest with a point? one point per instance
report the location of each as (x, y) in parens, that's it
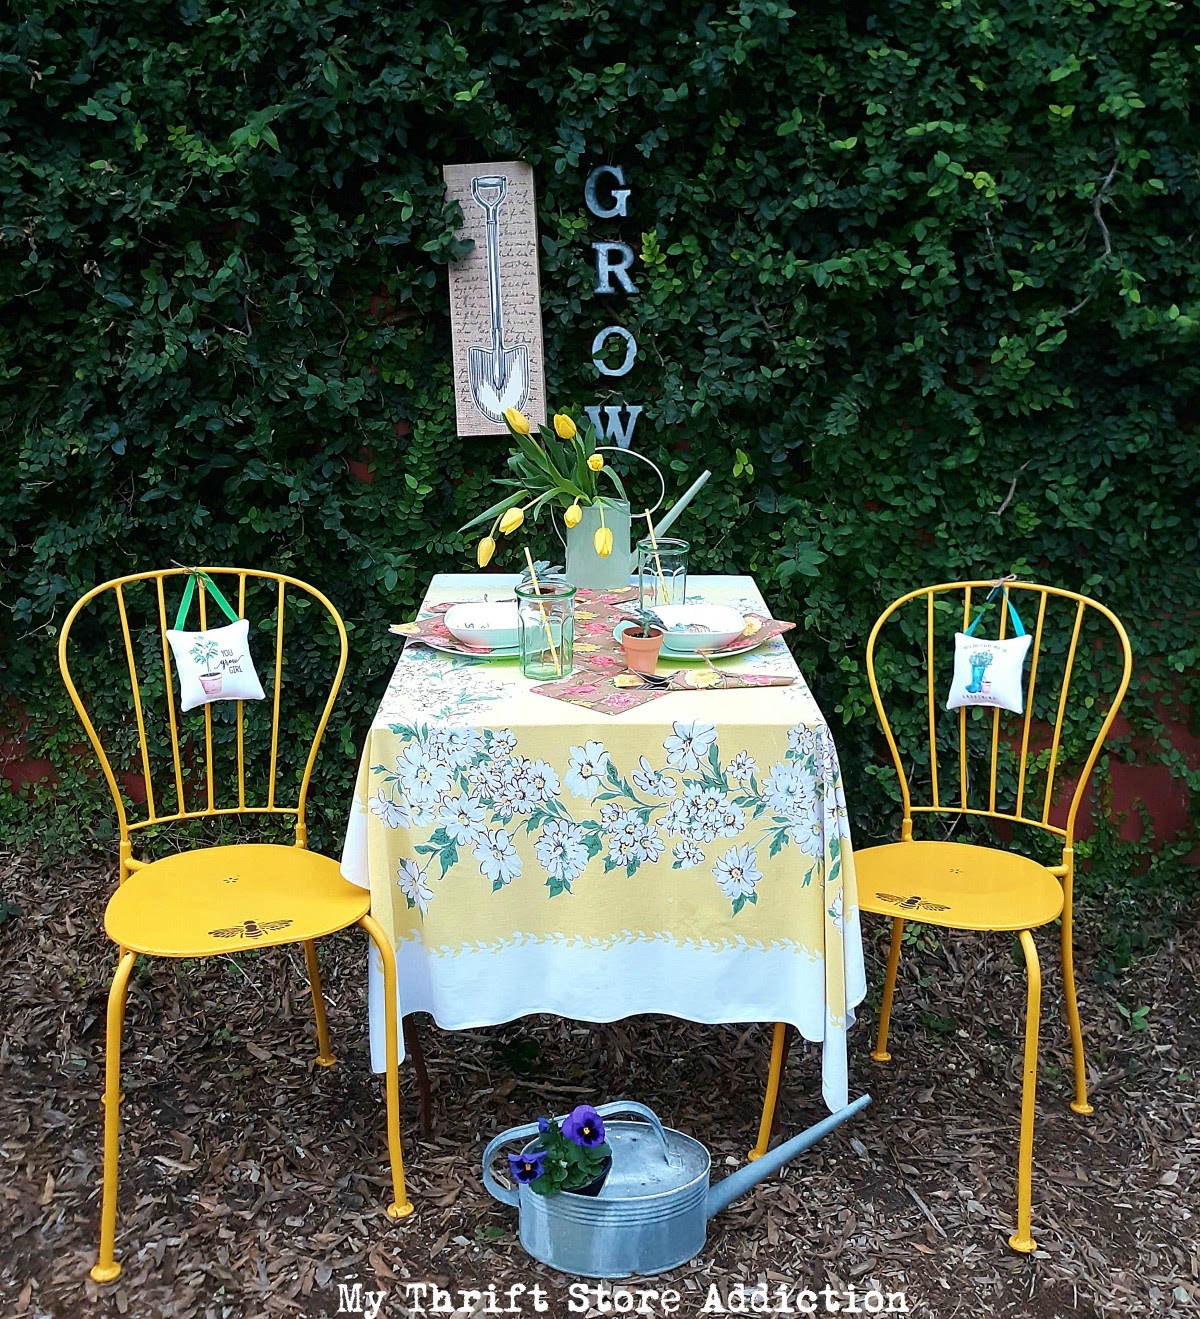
(205, 763)
(1037, 763)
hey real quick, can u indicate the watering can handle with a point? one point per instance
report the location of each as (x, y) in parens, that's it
(508, 1196)
(629, 1106)
(632, 453)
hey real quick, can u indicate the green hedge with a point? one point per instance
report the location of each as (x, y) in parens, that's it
(918, 283)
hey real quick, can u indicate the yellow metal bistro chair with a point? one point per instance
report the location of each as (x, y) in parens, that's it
(968, 887)
(216, 899)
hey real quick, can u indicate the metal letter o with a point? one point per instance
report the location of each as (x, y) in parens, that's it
(630, 351)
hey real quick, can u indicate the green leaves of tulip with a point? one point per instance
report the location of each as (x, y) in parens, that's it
(549, 469)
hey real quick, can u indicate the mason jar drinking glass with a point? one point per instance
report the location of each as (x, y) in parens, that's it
(546, 628)
(662, 571)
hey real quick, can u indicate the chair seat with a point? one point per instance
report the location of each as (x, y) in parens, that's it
(227, 899)
(958, 885)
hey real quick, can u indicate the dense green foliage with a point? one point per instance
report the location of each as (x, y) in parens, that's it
(918, 282)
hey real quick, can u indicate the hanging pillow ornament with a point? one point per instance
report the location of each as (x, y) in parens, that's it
(213, 665)
(988, 673)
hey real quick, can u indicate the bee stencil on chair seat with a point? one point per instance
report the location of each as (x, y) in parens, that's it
(914, 903)
(249, 929)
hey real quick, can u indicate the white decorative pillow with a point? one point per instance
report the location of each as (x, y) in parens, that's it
(215, 665)
(988, 672)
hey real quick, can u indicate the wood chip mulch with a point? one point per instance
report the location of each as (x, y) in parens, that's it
(254, 1182)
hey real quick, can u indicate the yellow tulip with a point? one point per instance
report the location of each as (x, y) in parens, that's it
(511, 521)
(564, 427)
(573, 516)
(517, 420)
(483, 554)
(596, 462)
(603, 541)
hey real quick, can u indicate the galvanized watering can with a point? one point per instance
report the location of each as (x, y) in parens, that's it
(652, 1212)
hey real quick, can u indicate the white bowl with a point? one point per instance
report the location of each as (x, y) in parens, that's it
(493, 625)
(699, 627)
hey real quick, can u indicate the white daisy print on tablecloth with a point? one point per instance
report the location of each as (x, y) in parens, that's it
(498, 859)
(589, 764)
(689, 744)
(412, 884)
(462, 819)
(456, 746)
(387, 810)
(736, 874)
(687, 855)
(503, 744)
(653, 782)
(423, 778)
(562, 851)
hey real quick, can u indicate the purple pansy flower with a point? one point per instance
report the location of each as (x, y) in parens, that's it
(543, 1125)
(584, 1126)
(526, 1168)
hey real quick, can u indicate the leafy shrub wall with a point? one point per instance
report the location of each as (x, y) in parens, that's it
(918, 282)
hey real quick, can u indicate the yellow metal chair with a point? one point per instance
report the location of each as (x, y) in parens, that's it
(216, 899)
(962, 885)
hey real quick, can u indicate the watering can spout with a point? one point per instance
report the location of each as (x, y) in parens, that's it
(725, 1192)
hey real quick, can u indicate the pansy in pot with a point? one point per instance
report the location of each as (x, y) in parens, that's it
(526, 1168)
(572, 1157)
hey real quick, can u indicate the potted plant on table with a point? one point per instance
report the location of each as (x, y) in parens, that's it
(643, 641)
(574, 1157)
(562, 467)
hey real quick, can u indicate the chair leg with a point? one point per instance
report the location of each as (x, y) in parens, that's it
(1080, 1103)
(880, 1052)
(401, 1206)
(781, 1043)
(325, 1056)
(1021, 1240)
(106, 1267)
(412, 1042)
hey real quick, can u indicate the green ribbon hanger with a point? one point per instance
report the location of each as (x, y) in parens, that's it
(190, 589)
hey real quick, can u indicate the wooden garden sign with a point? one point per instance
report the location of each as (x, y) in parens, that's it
(495, 298)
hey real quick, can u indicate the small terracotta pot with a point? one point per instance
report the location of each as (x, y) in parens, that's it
(641, 653)
(211, 682)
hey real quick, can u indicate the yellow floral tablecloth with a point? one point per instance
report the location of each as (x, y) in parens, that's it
(689, 857)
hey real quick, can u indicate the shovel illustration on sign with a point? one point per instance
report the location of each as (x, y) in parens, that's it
(499, 376)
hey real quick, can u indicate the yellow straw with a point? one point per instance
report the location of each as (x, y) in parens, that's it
(545, 621)
(657, 560)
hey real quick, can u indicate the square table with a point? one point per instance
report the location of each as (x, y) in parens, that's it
(689, 857)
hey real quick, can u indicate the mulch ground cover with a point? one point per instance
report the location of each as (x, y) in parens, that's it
(254, 1182)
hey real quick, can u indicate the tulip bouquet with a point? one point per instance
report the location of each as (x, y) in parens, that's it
(550, 466)
(566, 1158)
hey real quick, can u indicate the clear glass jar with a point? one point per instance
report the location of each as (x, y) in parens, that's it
(662, 571)
(546, 628)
